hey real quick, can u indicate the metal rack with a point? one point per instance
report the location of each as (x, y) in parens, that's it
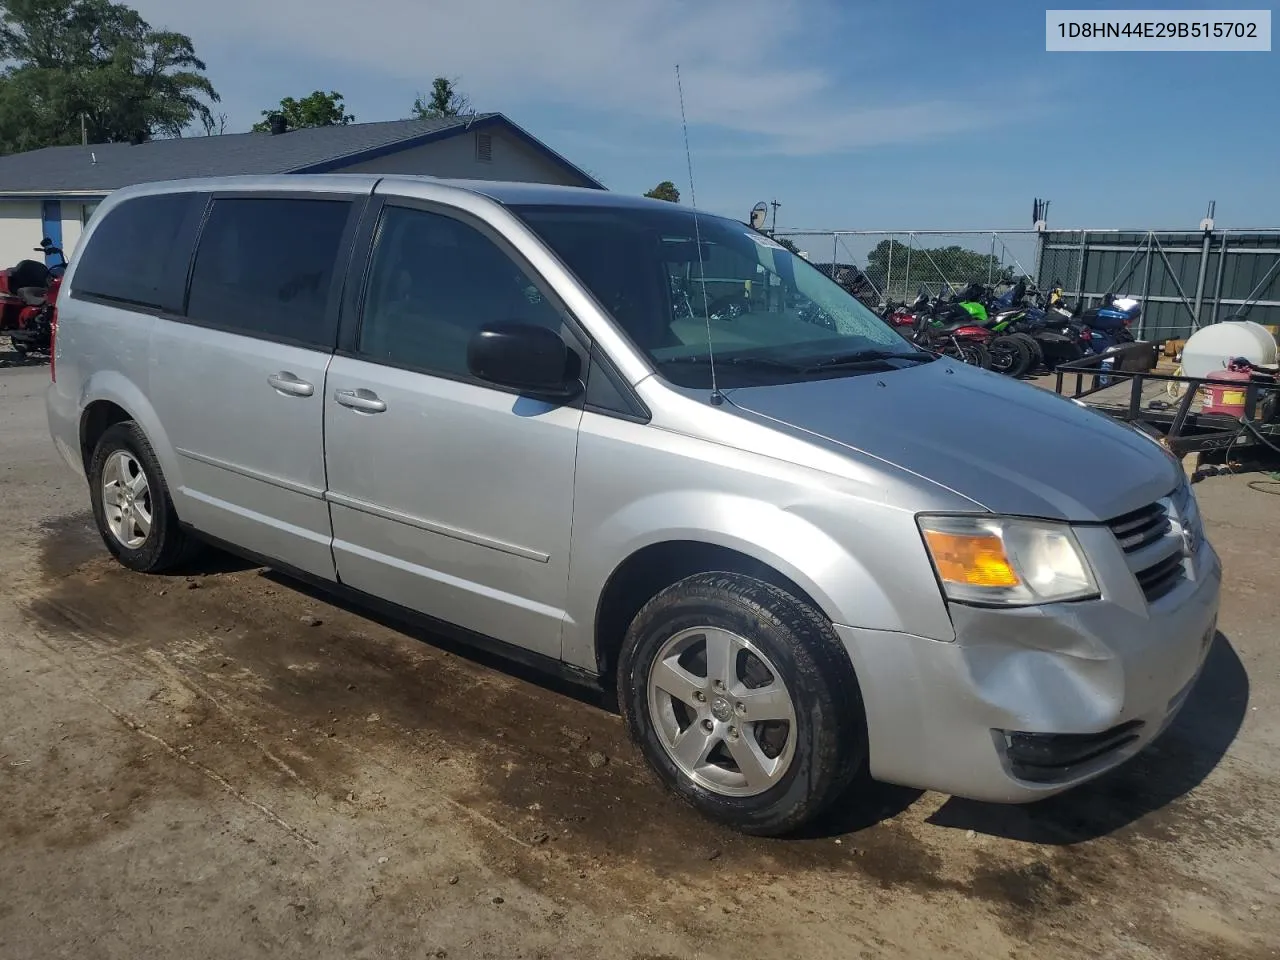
(1176, 422)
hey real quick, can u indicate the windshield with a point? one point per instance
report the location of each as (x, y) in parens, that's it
(772, 315)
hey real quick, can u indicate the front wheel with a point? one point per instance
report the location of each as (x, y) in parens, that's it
(743, 702)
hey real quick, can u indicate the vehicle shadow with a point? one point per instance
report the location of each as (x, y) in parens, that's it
(10, 357)
(1166, 770)
(440, 639)
(863, 804)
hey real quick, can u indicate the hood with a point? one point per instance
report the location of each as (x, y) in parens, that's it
(1012, 447)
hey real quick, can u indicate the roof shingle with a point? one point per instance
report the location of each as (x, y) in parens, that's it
(105, 167)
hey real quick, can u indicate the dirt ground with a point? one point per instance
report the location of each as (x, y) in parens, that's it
(221, 764)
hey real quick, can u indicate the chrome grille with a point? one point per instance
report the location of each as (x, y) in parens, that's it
(1154, 546)
(1158, 579)
(1141, 527)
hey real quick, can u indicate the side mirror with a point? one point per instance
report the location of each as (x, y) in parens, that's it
(522, 356)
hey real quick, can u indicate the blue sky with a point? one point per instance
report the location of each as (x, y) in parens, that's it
(909, 114)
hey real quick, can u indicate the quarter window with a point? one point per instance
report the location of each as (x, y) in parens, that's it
(138, 255)
(266, 266)
(434, 283)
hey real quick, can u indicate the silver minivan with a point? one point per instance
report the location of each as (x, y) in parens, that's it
(647, 448)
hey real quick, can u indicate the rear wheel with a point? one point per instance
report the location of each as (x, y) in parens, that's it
(743, 701)
(1037, 354)
(131, 502)
(972, 352)
(1010, 356)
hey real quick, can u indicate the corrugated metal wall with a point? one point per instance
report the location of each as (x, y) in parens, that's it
(1187, 280)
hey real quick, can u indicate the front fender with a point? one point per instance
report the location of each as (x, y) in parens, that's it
(781, 536)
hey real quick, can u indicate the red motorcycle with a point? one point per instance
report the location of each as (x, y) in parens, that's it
(933, 328)
(28, 293)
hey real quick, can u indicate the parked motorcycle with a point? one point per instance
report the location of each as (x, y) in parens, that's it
(28, 292)
(936, 326)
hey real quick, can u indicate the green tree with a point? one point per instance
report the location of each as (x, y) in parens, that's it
(443, 101)
(666, 190)
(317, 109)
(96, 69)
(906, 267)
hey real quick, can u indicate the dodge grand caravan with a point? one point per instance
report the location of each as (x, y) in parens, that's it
(649, 448)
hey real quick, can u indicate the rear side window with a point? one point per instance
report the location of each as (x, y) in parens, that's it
(138, 254)
(266, 267)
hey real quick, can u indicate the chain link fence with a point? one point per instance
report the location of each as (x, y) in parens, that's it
(898, 265)
(1185, 280)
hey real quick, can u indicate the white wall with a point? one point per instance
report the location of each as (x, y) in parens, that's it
(20, 226)
(71, 226)
(456, 157)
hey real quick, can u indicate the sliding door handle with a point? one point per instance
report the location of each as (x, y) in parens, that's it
(290, 385)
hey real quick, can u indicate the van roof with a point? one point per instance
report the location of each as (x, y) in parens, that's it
(504, 192)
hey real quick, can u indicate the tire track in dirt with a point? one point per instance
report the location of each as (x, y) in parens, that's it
(568, 805)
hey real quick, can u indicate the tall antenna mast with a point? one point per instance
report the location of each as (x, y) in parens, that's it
(716, 397)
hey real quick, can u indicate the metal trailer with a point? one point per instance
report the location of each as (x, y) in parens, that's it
(1174, 421)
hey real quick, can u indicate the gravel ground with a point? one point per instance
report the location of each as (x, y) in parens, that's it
(222, 764)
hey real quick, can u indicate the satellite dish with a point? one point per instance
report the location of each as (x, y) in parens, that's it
(758, 213)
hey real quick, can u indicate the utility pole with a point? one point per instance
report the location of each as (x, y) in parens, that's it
(84, 132)
(775, 204)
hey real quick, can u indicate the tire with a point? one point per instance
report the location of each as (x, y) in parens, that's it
(135, 516)
(1037, 354)
(970, 352)
(803, 757)
(1010, 356)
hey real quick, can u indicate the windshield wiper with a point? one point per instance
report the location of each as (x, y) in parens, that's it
(761, 363)
(868, 358)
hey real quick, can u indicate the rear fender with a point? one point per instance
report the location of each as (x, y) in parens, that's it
(112, 386)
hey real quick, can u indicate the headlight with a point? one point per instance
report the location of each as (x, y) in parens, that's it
(1002, 561)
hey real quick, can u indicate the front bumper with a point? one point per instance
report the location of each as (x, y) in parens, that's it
(940, 714)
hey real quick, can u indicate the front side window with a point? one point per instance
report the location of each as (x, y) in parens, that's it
(265, 266)
(683, 290)
(434, 282)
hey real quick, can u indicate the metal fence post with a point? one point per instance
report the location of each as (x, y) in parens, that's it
(1222, 269)
(888, 280)
(911, 242)
(1084, 253)
(1146, 283)
(1204, 269)
(835, 253)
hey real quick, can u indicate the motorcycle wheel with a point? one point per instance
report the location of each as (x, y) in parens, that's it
(970, 352)
(1010, 357)
(1037, 354)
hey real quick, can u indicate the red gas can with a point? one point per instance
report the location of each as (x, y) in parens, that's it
(1225, 390)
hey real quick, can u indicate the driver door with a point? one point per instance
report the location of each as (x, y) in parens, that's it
(449, 496)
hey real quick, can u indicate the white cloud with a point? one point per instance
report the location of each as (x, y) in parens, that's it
(747, 65)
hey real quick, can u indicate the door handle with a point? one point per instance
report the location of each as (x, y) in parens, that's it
(286, 383)
(364, 401)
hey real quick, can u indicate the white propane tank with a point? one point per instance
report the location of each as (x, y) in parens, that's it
(1209, 348)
